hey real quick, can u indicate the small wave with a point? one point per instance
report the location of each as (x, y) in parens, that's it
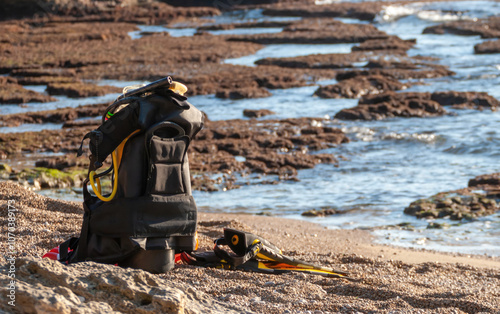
(476, 149)
(368, 135)
(440, 16)
(322, 2)
(394, 12)
(418, 137)
(361, 133)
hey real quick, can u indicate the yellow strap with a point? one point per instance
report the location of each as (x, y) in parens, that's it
(119, 149)
(117, 157)
(97, 190)
(98, 181)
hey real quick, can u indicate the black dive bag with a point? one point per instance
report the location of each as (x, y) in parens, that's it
(152, 214)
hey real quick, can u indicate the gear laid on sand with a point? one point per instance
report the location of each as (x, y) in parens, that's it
(150, 212)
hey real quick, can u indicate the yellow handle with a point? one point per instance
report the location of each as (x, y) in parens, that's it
(97, 190)
(179, 88)
(117, 157)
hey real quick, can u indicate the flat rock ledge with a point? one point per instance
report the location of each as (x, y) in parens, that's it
(364, 11)
(486, 28)
(80, 90)
(480, 198)
(13, 93)
(317, 31)
(359, 86)
(411, 104)
(487, 47)
(243, 92)
(47, 286)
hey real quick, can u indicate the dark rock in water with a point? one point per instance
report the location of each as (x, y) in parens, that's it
(87, 123)
(244, 92)
(288, 173)
(54, 116)
(52, 141)
(491, 46)
(79, 90)
(455, 206)
(319, 213)
(136, 11)
(37, 72)
(363, 11)
(488, 182)
(218, 4)
(45, 76)
(424, 72)
(273, 80)
(436, 225)
(392, 44)
(203, 183)
(263, 24)
(390, 104)
(485, 180)
(257, 113)
(466, 203)
(466, 100)
(46, 80)
(58, 163)
(274, 147)
(13, 93)
(396, 67)
(317, 61)
(359, 86)
(486, 28)
(317, 31)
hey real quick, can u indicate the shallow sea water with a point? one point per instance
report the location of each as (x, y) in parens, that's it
(389, 163)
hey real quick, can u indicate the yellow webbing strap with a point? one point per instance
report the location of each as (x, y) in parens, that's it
(119, 149)
(116, 157)
(97, 190)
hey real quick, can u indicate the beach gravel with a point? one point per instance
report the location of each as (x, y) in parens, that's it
(388, 279)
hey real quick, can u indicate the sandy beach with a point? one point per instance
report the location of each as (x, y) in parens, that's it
(389, 279)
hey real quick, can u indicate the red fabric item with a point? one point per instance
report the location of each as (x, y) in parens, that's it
(52, 254)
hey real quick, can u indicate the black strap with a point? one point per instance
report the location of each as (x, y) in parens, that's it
(236, 260)
(80, 149)
(96, 137)
(64, 247)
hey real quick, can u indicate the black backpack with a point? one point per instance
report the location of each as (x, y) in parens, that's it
(150, 213)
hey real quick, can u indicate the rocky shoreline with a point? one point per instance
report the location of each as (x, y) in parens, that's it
(476, 200)
(69, 48)
(91, 46)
